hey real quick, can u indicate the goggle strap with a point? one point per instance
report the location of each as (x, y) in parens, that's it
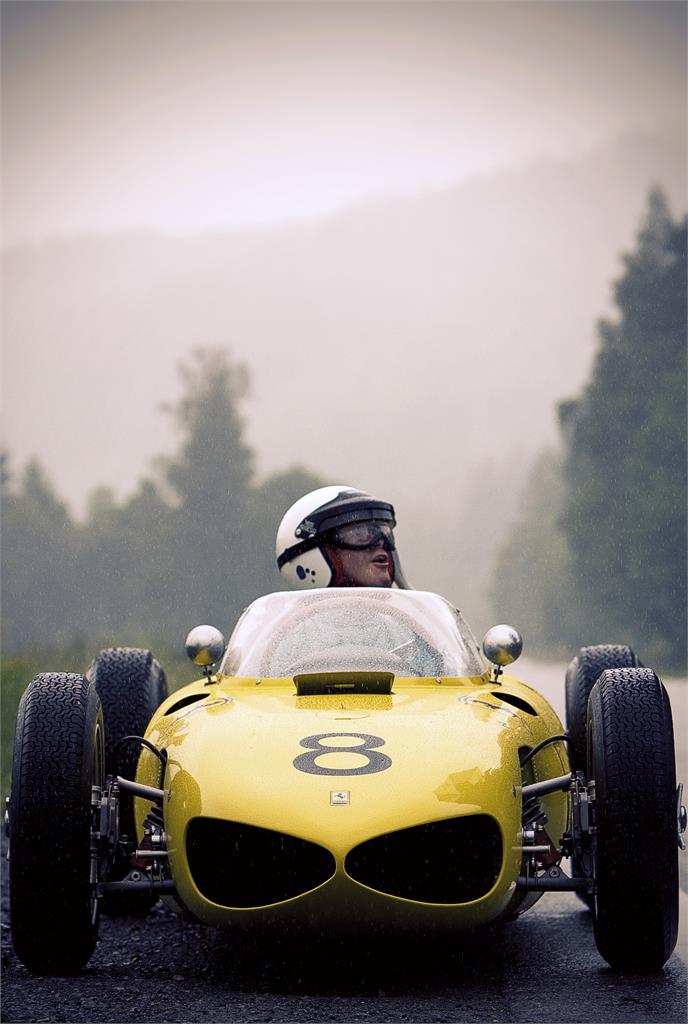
(297, 549)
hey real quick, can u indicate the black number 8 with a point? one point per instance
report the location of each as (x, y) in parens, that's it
(376, 762)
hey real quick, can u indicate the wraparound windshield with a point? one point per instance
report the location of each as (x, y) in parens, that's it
(408, 632)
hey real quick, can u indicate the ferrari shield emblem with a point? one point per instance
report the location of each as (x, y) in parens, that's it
(339, 796)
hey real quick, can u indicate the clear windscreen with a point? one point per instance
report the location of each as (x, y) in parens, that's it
(357, 629)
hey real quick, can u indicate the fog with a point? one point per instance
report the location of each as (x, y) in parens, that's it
(199, 116)
(405, 218)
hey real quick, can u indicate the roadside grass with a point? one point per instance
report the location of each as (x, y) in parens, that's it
(17, 671)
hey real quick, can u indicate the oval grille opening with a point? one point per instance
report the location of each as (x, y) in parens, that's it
(239, 865)
(452, 861)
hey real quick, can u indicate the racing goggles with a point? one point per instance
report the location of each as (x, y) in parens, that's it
(361, 536)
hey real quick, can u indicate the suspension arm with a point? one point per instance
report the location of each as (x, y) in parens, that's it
(554, 880)
(138, 789)
(562, 782)
(140, 885)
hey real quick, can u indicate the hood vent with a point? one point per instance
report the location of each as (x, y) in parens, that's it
(312, 683)
(516, 702)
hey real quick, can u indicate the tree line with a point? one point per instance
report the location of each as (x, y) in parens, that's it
(598, 554)
(194, 543)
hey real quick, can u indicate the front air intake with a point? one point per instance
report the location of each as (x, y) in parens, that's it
(239, 865)
(452, 861)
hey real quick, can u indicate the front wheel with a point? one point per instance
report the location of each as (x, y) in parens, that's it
(58, 757)
(631, 760)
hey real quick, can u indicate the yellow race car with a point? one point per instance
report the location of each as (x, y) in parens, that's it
(353, 762)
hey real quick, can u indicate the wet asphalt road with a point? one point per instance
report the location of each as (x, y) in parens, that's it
(543, 967)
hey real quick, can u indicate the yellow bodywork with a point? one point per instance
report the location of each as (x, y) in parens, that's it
(453, 744)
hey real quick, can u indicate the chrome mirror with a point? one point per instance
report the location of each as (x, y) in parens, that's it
(501, 645)
(205, 646)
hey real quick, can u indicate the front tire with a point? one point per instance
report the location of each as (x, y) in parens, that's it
(58, 757)
(631, 759)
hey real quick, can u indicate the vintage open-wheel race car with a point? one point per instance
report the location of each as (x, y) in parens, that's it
(354, 762)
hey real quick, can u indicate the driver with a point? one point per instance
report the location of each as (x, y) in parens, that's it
(337, 536)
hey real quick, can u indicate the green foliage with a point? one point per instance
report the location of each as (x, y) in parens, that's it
(38, 536)
(194, 545)
(214, 461)
(602, 537)
(625, 468)
(532, 577)
(206, 528)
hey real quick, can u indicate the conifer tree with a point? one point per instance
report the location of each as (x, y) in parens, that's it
(624, 510)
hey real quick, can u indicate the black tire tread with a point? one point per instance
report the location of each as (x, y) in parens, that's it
(50, 823)
(131, 685)
(581, 675)
(636, 906)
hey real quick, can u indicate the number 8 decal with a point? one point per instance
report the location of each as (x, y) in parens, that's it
(377, 762)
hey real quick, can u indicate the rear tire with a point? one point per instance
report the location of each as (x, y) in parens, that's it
(581, 675)
(631, 759)
(131, 685)
(58, 756)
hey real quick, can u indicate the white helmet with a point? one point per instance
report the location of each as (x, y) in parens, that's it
(300, 558)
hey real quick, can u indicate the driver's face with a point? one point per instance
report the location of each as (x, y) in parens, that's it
(369, 567)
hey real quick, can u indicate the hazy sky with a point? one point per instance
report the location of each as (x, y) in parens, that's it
(190, 116)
